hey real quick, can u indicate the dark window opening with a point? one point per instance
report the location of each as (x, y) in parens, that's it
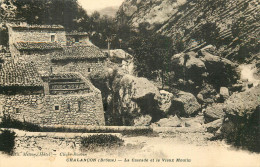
(68, 107)
(88, 69)
(79, 106)
(52, 38)
(17, 110)
(57, 108)
(76, 39)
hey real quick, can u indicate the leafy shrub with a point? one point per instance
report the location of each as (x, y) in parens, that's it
(7, 141)
(102, 140)
(7, 122)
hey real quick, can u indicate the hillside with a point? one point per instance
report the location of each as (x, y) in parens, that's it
(109, 11)
(231, 25)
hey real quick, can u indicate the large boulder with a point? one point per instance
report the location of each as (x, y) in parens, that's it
(118, 55)
(207, 94)
(138, 96)
(185, 104)
(244, 103)
(144, 120)
(165, 101)
(222, 72)
(214, 112)
(188, 67)
(241, 127)
(172, 121)
(224, 93)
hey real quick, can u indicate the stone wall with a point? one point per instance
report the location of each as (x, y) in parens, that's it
(44, 64)
(74, 110)
(84, 67)
(36, 36)
(84, 109)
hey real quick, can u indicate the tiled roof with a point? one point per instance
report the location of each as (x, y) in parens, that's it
(19, 74)
(75, 33)
(34, 27)
(37, 45)
(79, 52)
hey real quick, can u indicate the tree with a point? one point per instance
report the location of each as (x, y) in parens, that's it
(152, 54)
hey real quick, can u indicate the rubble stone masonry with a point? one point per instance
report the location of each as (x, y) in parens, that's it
(86, 109)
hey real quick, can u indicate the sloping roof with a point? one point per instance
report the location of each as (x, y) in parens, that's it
(76, 33)
(79, 52)
(35, 27)
(19, 74)
(37, 45)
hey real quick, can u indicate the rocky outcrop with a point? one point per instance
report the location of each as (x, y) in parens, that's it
(243, 104)
(185, 104)
(231, 25)
(172, 121)
(127, 98)
(222, 72)
(214, 112)
(224, 93)
(204, 74)
(241, 126)
(165, 101)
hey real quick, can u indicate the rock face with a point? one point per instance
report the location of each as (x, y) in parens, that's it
(218, 22)
(185, 104)
(143, 120)
(243, 104)
(222, 72)
(224, 93)
(165, 101)
(214, 112)
(172, 121)
(127, 98)
(241, 127)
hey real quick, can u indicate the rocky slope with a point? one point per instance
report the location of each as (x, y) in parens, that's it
(231, 25)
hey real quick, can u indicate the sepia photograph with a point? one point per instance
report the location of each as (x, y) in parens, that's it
(129, 83)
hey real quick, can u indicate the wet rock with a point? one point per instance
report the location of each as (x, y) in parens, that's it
(214, 112)
(185, 104)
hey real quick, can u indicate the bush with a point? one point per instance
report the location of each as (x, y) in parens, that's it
(7, 141)
(7, 122)
(102, 140)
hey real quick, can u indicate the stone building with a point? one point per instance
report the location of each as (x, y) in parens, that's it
(58, 99)
(79, 58)
(78, 38)
(44, 77)
(31, 39)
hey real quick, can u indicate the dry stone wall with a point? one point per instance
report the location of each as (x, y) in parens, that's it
(84, 67)
(84, 109)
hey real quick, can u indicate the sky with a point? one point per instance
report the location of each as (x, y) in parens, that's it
(92, 5)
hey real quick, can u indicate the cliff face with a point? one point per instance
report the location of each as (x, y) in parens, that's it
(231, 25)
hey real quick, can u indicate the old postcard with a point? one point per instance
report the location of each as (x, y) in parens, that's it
(129, 83)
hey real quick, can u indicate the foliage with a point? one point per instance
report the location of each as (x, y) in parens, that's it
(208, 32)
(7, 122)
(7, 141)
(151, 52)
(101, 140)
